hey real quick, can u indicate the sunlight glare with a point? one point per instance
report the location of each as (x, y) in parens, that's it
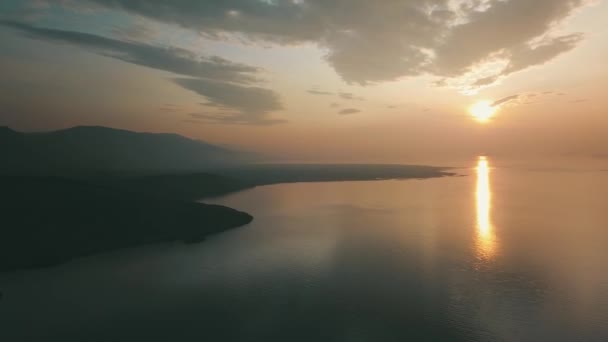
(483, 111)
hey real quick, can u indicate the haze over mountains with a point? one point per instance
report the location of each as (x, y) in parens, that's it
(64, 195)
(102, 149)
(85, 190)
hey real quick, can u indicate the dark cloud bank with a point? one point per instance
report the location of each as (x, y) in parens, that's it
(227, 85)
(372, 41)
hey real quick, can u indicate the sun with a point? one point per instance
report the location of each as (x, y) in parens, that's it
(483, 110)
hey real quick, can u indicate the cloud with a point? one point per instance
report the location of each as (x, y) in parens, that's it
(350, 96)
(342, 95)
(252, 104)
(501, 29)
(170, 108)
(349, 111)
(230, 119)
(319, 92)
(169, 59)
(525, 56)
(224, 83)
(375, 41)
(484, 81)
(524, 98)
(504, 100)
(134, 30)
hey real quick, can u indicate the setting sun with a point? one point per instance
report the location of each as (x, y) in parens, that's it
(327, 170)
(483, 111)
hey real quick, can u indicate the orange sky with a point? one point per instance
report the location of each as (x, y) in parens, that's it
(357, 82)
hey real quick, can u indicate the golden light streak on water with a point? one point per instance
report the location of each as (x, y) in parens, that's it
(486, 240)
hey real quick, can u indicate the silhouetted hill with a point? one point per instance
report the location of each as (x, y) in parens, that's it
(101, 149)
(46, 221)
(120, 188)
(193, 186)
(49, 220)
(176, 186)
(6, 131)
(261, 174)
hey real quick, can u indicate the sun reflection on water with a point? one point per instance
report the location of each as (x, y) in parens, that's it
(486, 240)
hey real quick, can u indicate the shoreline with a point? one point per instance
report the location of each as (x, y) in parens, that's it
(53, 220)
(48, 222)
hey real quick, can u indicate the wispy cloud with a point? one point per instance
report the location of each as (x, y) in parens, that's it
(171, 59)
(527, 98)
(504, 100)
(222, 82)
(349, 111)
(579, 101)
(170, 108)
(351, 96)
(251, 103)
(319, 92)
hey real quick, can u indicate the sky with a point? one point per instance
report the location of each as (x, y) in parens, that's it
(316, 80)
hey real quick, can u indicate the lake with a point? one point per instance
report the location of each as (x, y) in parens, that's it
(505, 252)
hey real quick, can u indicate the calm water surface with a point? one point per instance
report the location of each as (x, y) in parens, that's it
(500, 254)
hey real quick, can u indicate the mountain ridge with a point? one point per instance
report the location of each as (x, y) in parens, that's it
(103, 149)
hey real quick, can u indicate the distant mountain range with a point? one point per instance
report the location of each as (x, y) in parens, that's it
(102, 149)
(86, 190)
